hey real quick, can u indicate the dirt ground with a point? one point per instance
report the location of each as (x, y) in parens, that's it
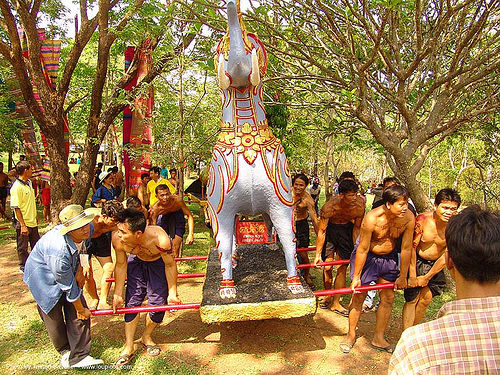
(307, 345)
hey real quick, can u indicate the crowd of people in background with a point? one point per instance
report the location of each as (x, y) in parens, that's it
(388, 243)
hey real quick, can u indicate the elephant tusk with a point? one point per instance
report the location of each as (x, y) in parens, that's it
(255, 75)
(221, 74)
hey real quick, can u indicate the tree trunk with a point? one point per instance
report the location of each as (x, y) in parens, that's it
(85, 172)
(328, 192)
(10, 161)
(60, 188)
(417, 194)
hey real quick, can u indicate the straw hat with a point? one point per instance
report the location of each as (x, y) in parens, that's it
(103, 175)
(73, 217)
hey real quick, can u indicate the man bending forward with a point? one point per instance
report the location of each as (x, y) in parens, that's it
(150, 270)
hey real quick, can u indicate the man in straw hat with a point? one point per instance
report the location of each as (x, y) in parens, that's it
(53, 275)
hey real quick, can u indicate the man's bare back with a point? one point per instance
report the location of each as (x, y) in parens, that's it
(429, 239)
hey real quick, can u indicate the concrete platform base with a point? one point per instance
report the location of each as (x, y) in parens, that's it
(261, 289)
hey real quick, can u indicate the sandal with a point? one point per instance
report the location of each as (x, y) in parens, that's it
(388, 349)
(152, 350)
(344, 312)
(345, 346)
(124, 359)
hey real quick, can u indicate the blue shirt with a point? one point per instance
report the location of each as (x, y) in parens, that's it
(164, 173)
(51, 267)
(104, 193)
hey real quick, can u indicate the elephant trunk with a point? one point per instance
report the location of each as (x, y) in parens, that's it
(239, 64)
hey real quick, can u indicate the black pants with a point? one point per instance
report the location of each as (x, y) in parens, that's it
(66, 331)
(22, 243)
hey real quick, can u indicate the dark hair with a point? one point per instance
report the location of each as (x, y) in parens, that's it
(302, 176)
(447, 194)
(22, 166)
(113, 169)
(473, 241)
(161, 187)
(348, 186)
(144, 175)
(173, 170)
(155, 169)
(1, 163)
(348, 175)
(393, 193)
(111, 208)
(133, 202)
(134, 218)
(99, 165)
(390, 179)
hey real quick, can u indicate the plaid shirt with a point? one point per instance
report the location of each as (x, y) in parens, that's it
(465, 339)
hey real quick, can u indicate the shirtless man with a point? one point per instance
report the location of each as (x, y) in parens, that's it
(303, 208)
(375, 260)
(150, 270)
(168, 212)
(173, 180)
(427, 261)
(339, 226)
(142, 191)
(4, 182)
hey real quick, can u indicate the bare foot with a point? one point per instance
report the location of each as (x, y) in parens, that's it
(380, 343)
(103, 306)
(93, 303)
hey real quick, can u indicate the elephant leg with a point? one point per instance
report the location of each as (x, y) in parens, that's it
(234, 253)
(282, 221)
(224, 241)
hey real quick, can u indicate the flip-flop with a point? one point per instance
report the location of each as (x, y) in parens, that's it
(366, 308)
(388, 349)
(124, 359)
(345, 346)
(152, 350)
(344, 313)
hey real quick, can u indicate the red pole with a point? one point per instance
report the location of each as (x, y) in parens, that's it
(6, 227)
(323, 264)
(141, 309)
(190, 258)
(363, 288)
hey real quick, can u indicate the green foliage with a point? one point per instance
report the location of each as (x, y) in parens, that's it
(10, 124)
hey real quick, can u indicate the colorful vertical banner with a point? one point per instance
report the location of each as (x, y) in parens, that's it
(27, 130)
(137, 121)
(49, 58)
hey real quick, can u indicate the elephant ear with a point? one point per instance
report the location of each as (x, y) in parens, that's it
(261, 53)
(222, 77)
